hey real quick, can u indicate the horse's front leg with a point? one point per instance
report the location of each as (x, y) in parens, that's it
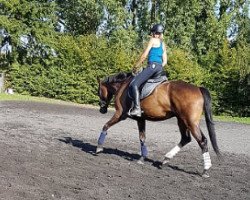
(115, 119)
(142, 136)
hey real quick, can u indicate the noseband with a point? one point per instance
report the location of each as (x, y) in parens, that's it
(103, 103)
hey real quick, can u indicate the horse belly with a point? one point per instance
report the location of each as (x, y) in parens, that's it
(155, 109)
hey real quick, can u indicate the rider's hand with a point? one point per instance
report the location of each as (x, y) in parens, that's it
(136, 70)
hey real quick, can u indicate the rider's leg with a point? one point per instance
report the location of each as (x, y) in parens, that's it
(136, 111)
(139, 79)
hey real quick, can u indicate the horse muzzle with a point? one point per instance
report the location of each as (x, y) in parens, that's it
(103, 107)
(103, 110)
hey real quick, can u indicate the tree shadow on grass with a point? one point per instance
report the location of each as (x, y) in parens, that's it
(90, 149)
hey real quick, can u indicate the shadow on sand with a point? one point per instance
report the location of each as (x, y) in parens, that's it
(90, 148)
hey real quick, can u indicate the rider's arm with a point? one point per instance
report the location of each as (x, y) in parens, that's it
(143, 56)
(164, 56)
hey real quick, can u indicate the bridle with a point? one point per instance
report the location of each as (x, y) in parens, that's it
(102, 103)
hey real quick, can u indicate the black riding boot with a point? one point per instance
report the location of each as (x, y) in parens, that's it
(136, 111)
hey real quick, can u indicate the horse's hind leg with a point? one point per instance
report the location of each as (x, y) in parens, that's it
(142, 136)
(202, 141)
(185, 139)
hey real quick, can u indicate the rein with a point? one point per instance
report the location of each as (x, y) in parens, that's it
(118, 78)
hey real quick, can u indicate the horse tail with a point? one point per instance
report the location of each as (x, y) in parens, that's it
(209, 119)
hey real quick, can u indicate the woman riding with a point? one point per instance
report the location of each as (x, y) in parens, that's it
(157, 59)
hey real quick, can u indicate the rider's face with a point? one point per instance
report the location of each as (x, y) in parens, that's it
(157, 35)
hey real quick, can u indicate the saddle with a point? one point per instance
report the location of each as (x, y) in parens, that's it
(148, 87)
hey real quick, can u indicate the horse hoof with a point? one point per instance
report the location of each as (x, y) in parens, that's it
(99, 150)
(165, 161)
(141, 161)
(205, 174)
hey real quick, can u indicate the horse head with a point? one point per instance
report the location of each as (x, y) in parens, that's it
(108, 88)
(104, 96)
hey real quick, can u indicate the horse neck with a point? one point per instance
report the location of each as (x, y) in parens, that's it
(116, 87)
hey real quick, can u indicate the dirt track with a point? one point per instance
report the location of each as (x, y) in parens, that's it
(46, 153)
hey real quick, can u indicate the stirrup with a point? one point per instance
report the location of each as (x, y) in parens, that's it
(137, 112)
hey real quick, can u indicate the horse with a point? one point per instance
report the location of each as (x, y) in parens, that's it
(169, 99)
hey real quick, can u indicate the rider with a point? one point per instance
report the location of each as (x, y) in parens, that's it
(157, 59)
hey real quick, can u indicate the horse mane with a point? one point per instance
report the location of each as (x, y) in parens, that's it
(117, 78)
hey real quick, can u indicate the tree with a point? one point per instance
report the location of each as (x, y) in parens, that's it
(59, 47)
(30, 26)
(80, 17)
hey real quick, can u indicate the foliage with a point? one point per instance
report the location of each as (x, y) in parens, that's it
(73, 74)
(60, 47)
(183, 66)
(79, 16)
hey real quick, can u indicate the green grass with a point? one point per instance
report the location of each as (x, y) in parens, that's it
(243, 120)
(18, 97)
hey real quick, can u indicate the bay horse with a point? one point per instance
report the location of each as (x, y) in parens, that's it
(177, 99)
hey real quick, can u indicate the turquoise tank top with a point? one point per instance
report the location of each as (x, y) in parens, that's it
(155, 54)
